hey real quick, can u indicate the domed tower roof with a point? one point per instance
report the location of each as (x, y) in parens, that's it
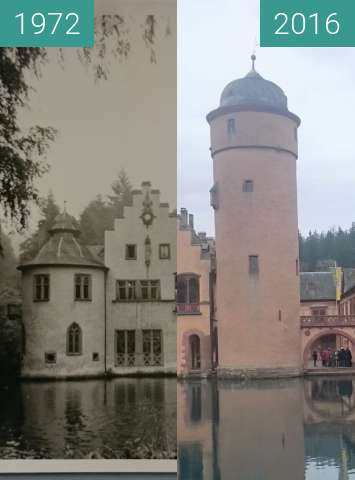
(65, 223)
(63, 247)
(252, 93)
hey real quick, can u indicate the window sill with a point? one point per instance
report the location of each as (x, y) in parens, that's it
(138, 300)
(187, 314)
(35, 300)
(74, 354)
(82, 299)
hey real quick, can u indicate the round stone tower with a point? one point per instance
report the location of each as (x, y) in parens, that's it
(64, 307)
(254, 151)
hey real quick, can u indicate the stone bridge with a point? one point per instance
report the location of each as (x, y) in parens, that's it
(314, 328)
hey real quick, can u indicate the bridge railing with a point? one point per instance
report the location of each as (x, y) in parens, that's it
(328, 321)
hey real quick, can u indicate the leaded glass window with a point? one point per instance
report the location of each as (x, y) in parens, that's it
(152, 348)
(188, 293)
(126, 348)
(41, 288)
(74, 340)
(82, 287)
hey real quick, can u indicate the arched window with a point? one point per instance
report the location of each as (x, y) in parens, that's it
(188, 293)
(74, 340)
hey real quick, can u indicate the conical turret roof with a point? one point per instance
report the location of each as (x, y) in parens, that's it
(63, 247)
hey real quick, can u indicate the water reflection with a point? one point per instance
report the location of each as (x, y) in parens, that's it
(73, 419)
(268, 430)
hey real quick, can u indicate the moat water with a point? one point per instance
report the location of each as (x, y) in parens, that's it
(76, 419)
(267, 430)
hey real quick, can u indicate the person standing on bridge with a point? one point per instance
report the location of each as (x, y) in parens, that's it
(330, 357)
(348, 357)
(315, 357)
(324, 357)
(342, 357)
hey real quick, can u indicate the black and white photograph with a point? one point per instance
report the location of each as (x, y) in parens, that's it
(88, 243)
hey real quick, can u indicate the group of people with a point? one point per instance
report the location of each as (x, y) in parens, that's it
(333, 358)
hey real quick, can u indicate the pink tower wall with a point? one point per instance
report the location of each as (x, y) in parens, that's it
(258, 314)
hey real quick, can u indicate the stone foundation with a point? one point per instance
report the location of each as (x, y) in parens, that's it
(258, 373)
(195, 375)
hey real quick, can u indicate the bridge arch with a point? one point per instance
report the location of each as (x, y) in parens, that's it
(322, 333)
(327, 403)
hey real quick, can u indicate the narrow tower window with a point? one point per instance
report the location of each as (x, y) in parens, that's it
(41, 288)
(214, 197)
(82, 287)
(253, 264)
(231, 126)
(248, 186)
(74, 340)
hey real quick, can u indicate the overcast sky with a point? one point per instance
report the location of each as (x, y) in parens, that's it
(216, 39)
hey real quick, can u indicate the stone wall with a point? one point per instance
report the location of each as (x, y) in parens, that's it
(46, 324)
(137, 314)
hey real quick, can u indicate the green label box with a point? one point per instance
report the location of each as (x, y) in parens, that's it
(307, 23)
(47, 23)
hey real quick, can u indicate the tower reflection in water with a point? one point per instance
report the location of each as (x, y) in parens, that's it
(269, 430)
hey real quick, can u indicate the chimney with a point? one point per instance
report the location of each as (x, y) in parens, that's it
(183, 217)
(191, 221)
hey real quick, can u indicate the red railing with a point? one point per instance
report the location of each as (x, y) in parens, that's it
(188, 308)
(328, 321)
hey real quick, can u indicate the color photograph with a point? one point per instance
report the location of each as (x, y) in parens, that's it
(266, 252)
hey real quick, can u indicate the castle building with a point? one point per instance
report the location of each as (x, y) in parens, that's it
(195, 252)
(64, 307)
(254, 149)
(318, 294)
(347, 302)
(141, 256)
(88, 315)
